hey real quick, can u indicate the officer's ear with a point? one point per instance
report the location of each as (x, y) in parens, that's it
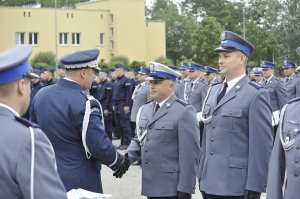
(22, 86)
(83, 73)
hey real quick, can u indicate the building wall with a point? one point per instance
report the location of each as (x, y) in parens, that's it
(126, 19)
(155, 44)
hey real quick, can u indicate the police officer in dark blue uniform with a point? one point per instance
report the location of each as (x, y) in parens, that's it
(121, 104)
(116, 131)
(61, 70)
(36, 85)
(48, 76)
(94, 88)
(74, 124)
(104, 96)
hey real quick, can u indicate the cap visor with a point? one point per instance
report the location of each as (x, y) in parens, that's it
(32, 76)
(222, 49)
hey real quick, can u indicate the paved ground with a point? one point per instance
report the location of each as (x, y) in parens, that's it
(129, 186)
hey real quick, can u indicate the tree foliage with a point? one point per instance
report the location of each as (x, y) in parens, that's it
(118, 60)
(44, 59)
(205, 38)
(178, 29)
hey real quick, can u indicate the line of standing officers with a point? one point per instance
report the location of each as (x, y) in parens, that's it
(218, 130)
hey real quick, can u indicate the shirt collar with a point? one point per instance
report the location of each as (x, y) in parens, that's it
(233, 82)
(162, 102)
(269, 78)
(11, 109)
(195, 80)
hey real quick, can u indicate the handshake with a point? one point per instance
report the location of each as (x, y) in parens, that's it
(121, 170)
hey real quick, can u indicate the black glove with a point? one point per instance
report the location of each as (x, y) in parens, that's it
(252, 195)
(123, 168)
(182, 195)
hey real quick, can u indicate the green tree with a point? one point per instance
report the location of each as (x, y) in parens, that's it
(206, 37)
(135, 65)
(228, 13)
(164, 61)
(16, 2)
(45, 59)
(118, 60)
(178, 29)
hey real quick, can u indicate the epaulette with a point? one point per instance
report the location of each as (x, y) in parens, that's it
(26, 122)
(216, 83)
(277, 78)
(149, 101)
(184, 103)
(255, 85)
(294, 100)
(86, 94)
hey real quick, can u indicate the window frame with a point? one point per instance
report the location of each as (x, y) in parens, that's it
(18, 38)
(33, 36)
(75, 37)
(63, 39)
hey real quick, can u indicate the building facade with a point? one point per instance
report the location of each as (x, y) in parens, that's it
(115, 27)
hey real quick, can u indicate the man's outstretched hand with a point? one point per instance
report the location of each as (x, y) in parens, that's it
(123, 168)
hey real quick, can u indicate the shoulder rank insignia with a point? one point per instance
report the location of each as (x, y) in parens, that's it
(181, 102)
(255, 85)
(26, 122)
(216, 83)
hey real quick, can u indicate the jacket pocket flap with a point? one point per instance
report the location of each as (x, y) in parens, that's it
(232, 112)
(236, 162)
(163, 125)
(169, 168)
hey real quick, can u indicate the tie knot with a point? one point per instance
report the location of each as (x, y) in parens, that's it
(225, 85)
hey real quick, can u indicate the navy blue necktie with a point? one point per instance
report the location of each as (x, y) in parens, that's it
(156, 108)
(223, 92)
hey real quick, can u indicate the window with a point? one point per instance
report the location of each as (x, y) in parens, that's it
(112, 45)
(101, 38)
(33, 38)
(111, 31)
(20, 38)
(63, 38)
(76, 38)
(111, 18)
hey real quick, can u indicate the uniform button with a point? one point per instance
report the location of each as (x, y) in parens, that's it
(211, 153)
(244, 165)
(296, 174)
(148, 139)
(214, 126)
(297, 147)
(150, 127)
(296, 161)
(215, 113)
(146, 151)
(146, 162)
(212, 139)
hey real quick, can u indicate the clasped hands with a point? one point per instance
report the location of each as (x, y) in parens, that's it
(118, 173)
